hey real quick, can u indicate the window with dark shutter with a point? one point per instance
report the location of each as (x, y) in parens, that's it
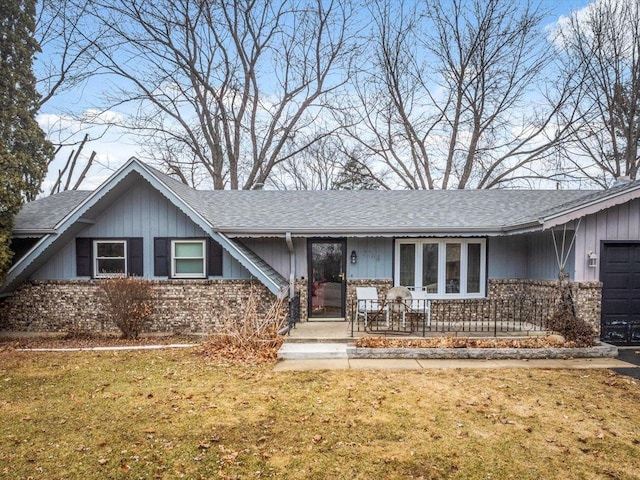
(135, 258)
(83, 257)
(161, 257)
(215, 259)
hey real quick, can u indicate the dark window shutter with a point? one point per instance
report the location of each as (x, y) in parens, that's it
(83, 257)
(215, 259)
(135, 262)
(161, 256)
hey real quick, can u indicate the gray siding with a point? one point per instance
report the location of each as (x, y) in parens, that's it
(375, 258)
(142, 212)
(275, 252)
(507, 257)
(542, 263)
(621, 222)
(530, 256)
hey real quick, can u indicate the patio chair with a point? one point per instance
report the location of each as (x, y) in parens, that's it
(367, 302)
(420, 304)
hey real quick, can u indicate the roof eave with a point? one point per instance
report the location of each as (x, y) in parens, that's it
(33, 232)
(591, 207)
(338, 231)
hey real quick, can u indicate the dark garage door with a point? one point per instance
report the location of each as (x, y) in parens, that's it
(620, 277)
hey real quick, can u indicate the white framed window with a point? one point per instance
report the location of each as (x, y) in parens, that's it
(442, 267)
(110, 258)
(188, 259)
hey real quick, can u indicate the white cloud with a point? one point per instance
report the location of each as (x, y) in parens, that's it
(112, 145)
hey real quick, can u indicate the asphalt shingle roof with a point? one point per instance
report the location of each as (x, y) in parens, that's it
(265, 211)
(47, 212)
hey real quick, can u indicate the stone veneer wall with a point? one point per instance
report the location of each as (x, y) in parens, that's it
(192, 306)
(587, 296)
(180, 306)
(302, 290)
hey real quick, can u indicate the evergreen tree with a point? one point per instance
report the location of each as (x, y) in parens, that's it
(355, 175)
(24, 151)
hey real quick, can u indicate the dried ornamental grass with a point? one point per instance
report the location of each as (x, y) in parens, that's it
(253, 338)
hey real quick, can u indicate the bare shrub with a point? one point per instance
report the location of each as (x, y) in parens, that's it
(249, 336)
(128, 303)
(565, 321)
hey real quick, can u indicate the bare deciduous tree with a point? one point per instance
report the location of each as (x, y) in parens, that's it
(69, 41)
(328, 164)
(222, 88)
(455, 94)
(601, 48)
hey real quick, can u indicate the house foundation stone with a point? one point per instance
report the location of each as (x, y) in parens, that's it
(179, 306)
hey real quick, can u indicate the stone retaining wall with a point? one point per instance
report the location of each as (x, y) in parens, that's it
(180, 306)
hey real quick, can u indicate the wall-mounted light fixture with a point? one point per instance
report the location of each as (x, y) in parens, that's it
(592, 259)
(354, 257)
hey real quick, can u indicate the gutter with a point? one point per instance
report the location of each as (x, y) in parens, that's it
(33, 232)
(332, 232)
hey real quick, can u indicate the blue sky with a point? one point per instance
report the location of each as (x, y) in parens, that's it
(115, 147)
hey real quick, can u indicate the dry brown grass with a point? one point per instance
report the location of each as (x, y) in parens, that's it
(175, 414)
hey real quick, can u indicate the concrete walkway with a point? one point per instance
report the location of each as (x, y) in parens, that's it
(411, 364)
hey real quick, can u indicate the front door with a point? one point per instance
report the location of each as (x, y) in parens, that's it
(327, 285)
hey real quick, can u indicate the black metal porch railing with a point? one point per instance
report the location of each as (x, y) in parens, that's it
(485, 316)
(294, 311)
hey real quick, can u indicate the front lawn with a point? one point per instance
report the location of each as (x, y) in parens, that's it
(175, 414)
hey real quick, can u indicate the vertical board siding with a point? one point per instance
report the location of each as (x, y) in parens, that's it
(617, 223)
(507, 257)
(375, 258)
(275, 252)
(141, 212)
(531, 256)
(542, 263)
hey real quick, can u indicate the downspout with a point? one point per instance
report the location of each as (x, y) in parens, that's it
(292, 266)
(292, 285)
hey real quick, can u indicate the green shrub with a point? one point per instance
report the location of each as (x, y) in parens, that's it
(128, 303)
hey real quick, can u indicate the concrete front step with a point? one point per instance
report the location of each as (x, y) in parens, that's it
(319, 339)
(309, 351)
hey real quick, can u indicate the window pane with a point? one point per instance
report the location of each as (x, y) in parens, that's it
(110, 266)
(191, 249)
(110, 249)
(430, 267)
(189, 266)
(407, 264)
(453, 268)
(473, 268)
